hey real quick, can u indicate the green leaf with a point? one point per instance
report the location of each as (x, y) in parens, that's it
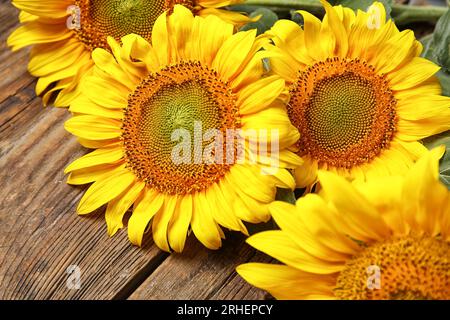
(296, 17)
(265, 22)
(426, 42)
(364, 4)
(444, 79)
(444, 164)
(437, 49)
(441, 41)
(286, 195)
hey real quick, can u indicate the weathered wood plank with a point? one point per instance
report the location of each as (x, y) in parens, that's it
(40, 234)
(235, 288)
(200, 273)
(13, 71)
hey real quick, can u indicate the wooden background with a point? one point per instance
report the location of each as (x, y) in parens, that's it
(41, 235)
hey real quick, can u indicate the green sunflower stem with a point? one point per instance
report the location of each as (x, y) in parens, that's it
(402, 14)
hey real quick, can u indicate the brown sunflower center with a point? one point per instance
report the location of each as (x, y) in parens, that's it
(117, 18)
(344, 111)
(408, 268)
(167, 126)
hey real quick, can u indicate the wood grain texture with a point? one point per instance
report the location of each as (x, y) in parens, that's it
(199, 273)
(41, 235)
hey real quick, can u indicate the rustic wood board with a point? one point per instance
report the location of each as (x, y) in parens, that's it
(179, 275)
(41, 235)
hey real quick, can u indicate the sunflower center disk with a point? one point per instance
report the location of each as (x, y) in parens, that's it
(408, 268)
(175, 129)
(344, 111)
(117, 18)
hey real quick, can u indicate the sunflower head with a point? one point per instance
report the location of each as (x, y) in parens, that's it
(102, 18)
(361, 95)
(64, 33)
(388, 238)
(177, 98)
(160, 117)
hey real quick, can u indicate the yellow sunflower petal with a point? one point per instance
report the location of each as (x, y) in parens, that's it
(50, 8)
(160, 40)
(423, 193)
(252, 183)
(233, 52)
(260, 94)
(144, 210)
(334, 235)
(161, 221)
(72, 71)
(25, 17)
(91, 174)
(36, 32)
(92, 127)
(106, 63)
(179, 224)
(289, 222)
(417, 71)
(229, 16)
(306, 173)
(206, 42)
(280, 246)
(180, 30)
(46, 59)
(83, 105)
(203, 225)
(98, 157)
(357, 209)
(313, 40)
(226, 215)
(104, 190)
(135, 50)
(284, 282)
(398, 49)
(117, 207)
(115, 99)
(336, 26)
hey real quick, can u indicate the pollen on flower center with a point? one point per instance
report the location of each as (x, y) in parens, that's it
(102, 18)
(344, 111)
(410, 268)
(178, 97)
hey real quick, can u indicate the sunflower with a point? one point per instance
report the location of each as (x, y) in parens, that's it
(361, 96)
(139, 94)
(388, 238)
(63, 34)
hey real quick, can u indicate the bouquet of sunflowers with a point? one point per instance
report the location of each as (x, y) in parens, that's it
(209, 116)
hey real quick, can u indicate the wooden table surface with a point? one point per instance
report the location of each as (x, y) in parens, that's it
(41, 235)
